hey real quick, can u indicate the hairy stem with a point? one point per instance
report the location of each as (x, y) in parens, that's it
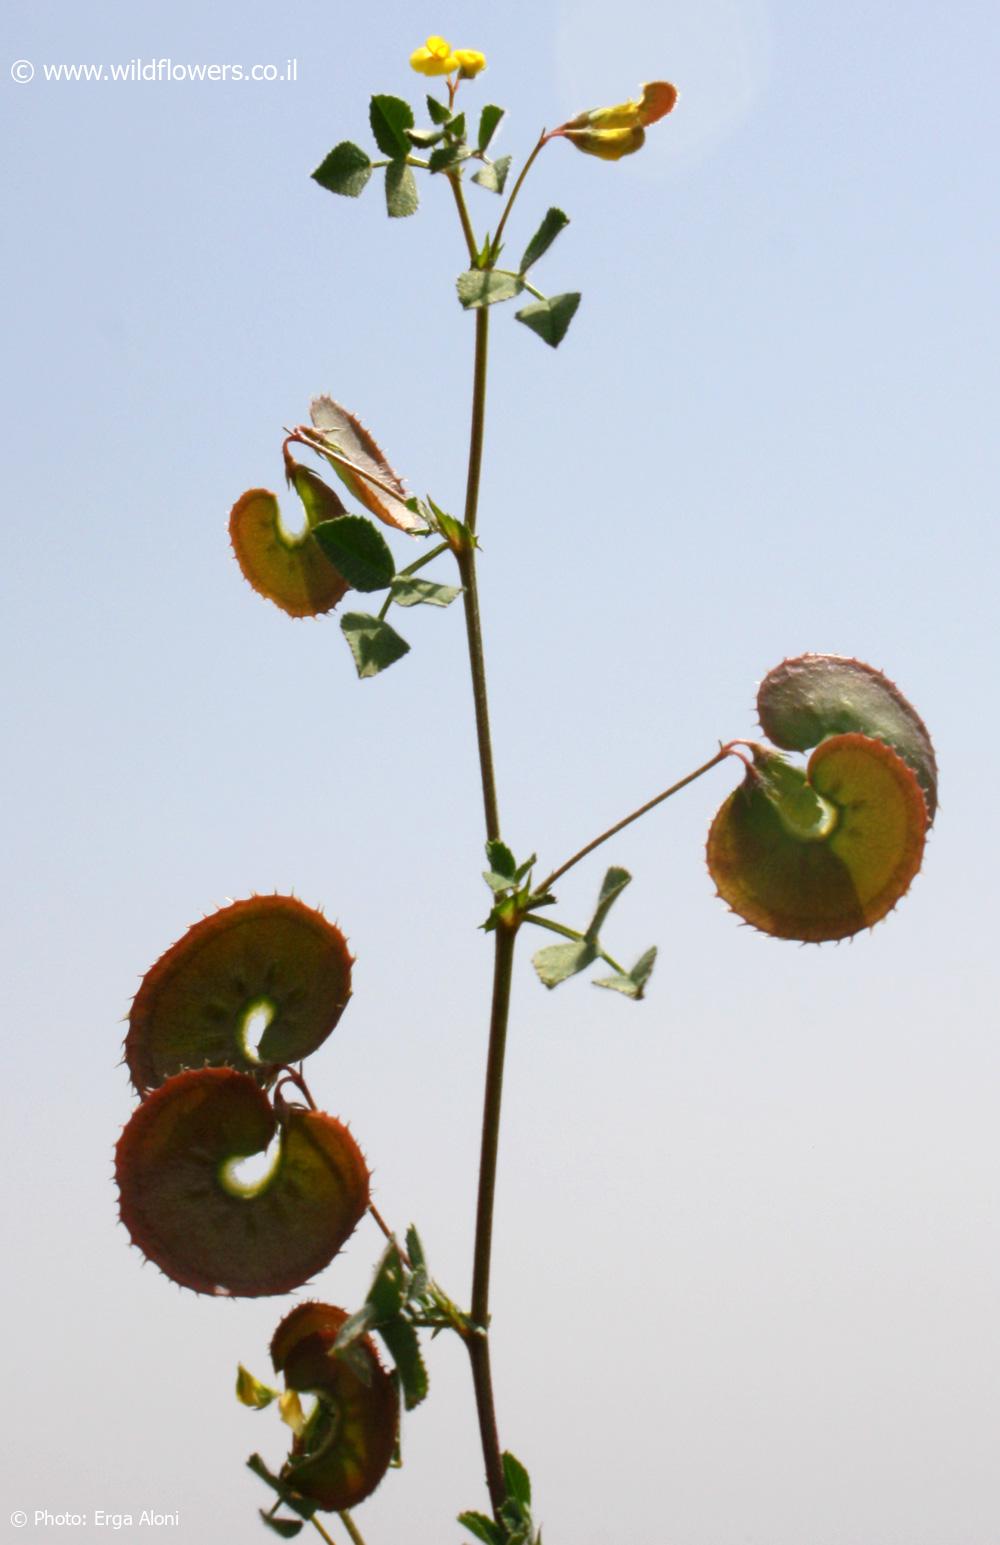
(627, 820)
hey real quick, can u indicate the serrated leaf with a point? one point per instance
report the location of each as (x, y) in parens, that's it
(345, 434)
(345, 170)
(374, 645)
(415, 1248)
(404, 1349)
(288, 1528)
(251, 1392)
(358, 550)
(390, 117)
(614, 882)
(558, 962)
(522, 869)
(482, 1527)
(447, 157)
(485, 287)
(353, 1328)
(516, 1480)
(550, 318)
(497, 882)
(388, 1290)
(489, 118)
(634, 984)
(554, 222)
(401, 197)
(438, 111)
(410, 591)
(501, 859)
(493, 175)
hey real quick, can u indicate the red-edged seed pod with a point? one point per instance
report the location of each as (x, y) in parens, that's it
(270, 955)
(288, 568)
(189, 1213)
(820, 853)
(348, 1442)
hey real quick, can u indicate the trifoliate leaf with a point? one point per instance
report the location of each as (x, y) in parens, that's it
(493, 175)
(558, 962)
(401, 197)
(554, 222)
(485, 287)
(404, 1349)
(614, 882)
(489, 118)
(408, 590)
(358, 550)
(374, 645)
(390, 118)
(633, 985)
(550, 318)
(345, 170)
(447, 157)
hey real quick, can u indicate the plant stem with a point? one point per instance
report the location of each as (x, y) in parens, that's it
(350, 1526)
(320, 1530)
(515, 190)
(477, 665)
(478, 1344)
(627, 820)
(578, 938)
(411, 568)
(463, 214)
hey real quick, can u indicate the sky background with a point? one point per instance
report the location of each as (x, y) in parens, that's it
(747, 1260)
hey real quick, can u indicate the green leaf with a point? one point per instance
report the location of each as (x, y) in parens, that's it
(516, 1480)
(404, 1348)
(374, 645)
(634, 984)
(288, 1528)
(439, 113)
(388, 1290)
(612, 885)
(345, 170)
(486, 287)
(554, 222)
(482, 1527)
(415, 1248)
(550, 319)
(558, 962)
(493, 175)
(447, 157)
(522, 869)
(424, 138)
(410, 591)
(501, 859)
(358, 550)
(401, 197)
(353, 1328)
(489, 118)
(390, 118)
(456, 127)
(455, 532)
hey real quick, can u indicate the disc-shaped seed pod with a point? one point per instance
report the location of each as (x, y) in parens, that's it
(804, 700)
(189, 1213)
(288, 568)
(269, 955)
(349, 1440)
(822, 853)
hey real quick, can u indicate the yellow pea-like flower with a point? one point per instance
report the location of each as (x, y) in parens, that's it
(470, 62)
(435, 58)
(613, 132)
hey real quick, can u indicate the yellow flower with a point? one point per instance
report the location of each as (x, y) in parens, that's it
(435, 58)
(613, 132)
(470, 62)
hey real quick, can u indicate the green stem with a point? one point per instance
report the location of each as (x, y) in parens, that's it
(320, 1530)
(627, 820)
(477, 666)
(578, 938)
(478, 1344)
(515, 190)
(463, 214)
(411, 568)
(350, 1526)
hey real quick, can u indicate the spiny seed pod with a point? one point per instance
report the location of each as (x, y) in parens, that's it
(269, 955)
(822, 853)
(188, 1212)
(808, 698)
(349, 1440)
(288, 568)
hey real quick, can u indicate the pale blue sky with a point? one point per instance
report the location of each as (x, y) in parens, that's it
(747, 1261)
